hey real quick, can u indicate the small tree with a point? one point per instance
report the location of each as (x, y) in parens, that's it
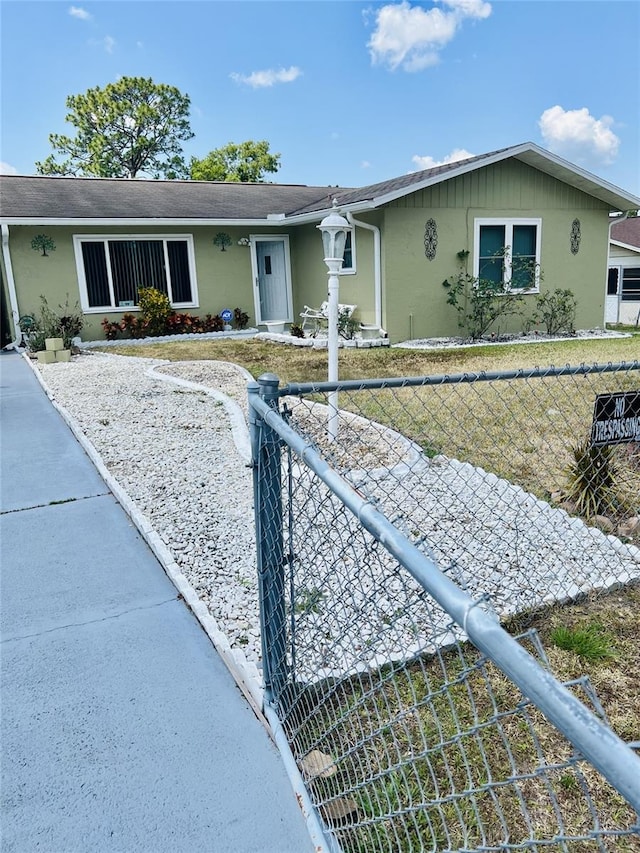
(481, 301)
(236, 162)
(130, 127)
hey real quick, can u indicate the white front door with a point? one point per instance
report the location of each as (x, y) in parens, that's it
(271, 270)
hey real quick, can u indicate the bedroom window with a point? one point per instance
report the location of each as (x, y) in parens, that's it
(508, 252)
(112, 268)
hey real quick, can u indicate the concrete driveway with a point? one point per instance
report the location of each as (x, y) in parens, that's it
(122, 730)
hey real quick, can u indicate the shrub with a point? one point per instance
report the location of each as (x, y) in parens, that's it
(111, 329)
(296, 331)
(240, 318)
(133, 326)
(592, 478)
(155, 309)
(65, 323)
(213, 323)
(557, 311)
(347, 326)
(480, 302)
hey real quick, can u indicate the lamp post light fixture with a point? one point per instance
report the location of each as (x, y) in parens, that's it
(334, 229)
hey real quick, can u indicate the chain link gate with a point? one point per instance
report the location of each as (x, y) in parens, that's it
(388, 560)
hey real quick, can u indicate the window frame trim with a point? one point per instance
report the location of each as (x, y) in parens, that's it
(509, 222)
(621, 271)
(78, 239)
(352, 269)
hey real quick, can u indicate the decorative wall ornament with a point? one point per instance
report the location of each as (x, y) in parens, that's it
(244, 241)
(223, 240)
(575, 237)
(41, 242)
(430, 239)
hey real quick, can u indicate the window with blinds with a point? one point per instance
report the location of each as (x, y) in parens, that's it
(111, 270)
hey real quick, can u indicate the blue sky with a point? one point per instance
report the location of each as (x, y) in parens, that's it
(349, 93)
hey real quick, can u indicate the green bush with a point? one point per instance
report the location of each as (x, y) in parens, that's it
(155, 309)
(557, 311)
(480, 302)
(347, 326)
(240, 318)
(65, 322)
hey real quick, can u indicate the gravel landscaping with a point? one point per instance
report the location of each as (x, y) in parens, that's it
(181, 454)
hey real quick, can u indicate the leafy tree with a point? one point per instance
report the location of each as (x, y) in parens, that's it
(238, 162)
(132, 126)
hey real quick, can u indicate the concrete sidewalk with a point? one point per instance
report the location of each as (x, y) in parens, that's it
(122, 730)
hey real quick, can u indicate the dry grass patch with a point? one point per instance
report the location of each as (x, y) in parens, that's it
(301, 364)
(443, 754)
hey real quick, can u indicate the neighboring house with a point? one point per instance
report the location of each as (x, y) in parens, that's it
(112, 236)
(623, 283)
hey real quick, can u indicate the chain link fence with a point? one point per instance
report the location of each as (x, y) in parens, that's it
(388, 558)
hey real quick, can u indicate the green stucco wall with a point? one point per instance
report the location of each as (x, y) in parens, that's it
(413, 297)
(224, 279)
(309, 272)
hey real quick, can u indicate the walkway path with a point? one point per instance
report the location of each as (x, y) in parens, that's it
(121, 728)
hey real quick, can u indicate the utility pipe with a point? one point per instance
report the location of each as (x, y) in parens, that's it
(377, 265)
(11, 284)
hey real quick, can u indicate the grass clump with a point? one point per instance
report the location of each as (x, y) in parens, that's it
(590, 642)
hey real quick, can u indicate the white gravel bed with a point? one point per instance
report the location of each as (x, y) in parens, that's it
(521, 338)
(497, 542)
(171, 448)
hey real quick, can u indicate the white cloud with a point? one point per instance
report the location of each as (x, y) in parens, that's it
(427, 162)
(107, 43)
(365, 164)
(411, 37)
(268, 77)
(579, 136)
(7, 168)
(81, 14)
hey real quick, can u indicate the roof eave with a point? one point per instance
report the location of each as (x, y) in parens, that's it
(138, 221)
(626, 246)
(316, 215)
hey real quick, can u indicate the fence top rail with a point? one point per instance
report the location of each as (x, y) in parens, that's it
(297, 389)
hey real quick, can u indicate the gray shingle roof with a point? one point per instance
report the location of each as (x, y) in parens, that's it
(41, 198)
(104, 198)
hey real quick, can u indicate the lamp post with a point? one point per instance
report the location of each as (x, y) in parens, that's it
(334, 229)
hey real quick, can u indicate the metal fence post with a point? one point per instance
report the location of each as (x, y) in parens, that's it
(269, 538)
